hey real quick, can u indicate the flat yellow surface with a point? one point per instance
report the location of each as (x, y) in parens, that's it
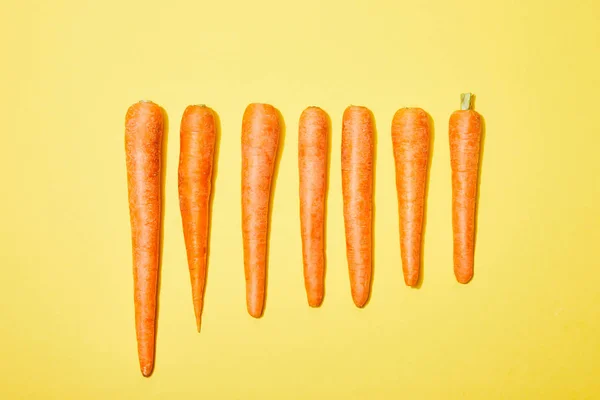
(527, 326)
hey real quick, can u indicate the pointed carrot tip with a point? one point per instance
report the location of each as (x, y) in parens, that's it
(198, 306)
(147, 370)
(464, 278)
(411, 281)
(315, 302)
(359, 304)
(255, 310)
(360, 301)
(360, 294)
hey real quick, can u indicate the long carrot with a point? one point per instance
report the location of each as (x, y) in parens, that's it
(143, 147)
(410, 138)
(195, 174)
(357, 187)
(465, 141)
(260, 141)
(312, 165)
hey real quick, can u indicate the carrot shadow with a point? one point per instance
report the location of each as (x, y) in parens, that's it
(280, 147)
(373, 209)
(215, 172)
(479, 172)
(426, 202)
(163, 184)
(327, 169)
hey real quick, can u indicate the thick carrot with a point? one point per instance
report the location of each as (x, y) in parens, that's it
(260, 141)
(410, 138)
(196, 156)
(465, 141)
(143, 147)
(357, 187)
(312, 165)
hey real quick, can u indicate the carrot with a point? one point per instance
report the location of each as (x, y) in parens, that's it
(196, 156)
(312, 165)
(260, 140)
(357, 188)
(410, 137)
(143, 147)
(465, 141)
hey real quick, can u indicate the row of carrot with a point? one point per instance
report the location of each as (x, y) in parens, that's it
(261, 127)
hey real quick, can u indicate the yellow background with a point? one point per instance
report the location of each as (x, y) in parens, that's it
(528, 324)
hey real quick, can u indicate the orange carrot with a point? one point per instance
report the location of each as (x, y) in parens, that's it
(312, 165)
(260, 140)
(143, 147)
(195, 180)
(357, 187)
(465, 141)
(410, 137)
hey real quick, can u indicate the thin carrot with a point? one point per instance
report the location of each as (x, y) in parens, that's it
(195, 180)
(465, 142)
(357, 187)
(143, 147)
(312, 165)
(410, 137)
(260, 141)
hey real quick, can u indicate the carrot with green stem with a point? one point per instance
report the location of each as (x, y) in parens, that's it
(410, 138)
(260, 141)
(143, 149)
(357, 188)
(312, 165)
(198, 137)
(465, 141)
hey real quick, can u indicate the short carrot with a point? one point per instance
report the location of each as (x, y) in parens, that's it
(260, 141)
(196, 156)
(465, 142)
(410, 138)
(357, 188)
(143, 147)
(312, 165)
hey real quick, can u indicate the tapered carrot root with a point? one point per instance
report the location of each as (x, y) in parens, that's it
(312, 165)
(198, 137)
(465, 141)
(410, 137)
(357, 187)
(260, 141)
(143, 147)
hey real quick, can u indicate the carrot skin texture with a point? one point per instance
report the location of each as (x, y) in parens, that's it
(143, 147)
(357, 188)
(410, 138)
(197, 138)
(312, 165)
(260, 141)
(465, 142)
